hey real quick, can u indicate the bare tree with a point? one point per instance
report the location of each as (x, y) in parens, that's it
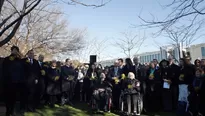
(183, 36)
(130, 44)
(45, 30)
(184, 12)
(11, 21)
(96, 4)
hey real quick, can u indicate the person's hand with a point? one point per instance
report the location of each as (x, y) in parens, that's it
(168, 81)
(57, 78)
(36, 81)
(117, 81)
(114, 78)
(151, 76)
(181, 77)
(123, 76)
(101, 89)
(43, 73)
(129, 86)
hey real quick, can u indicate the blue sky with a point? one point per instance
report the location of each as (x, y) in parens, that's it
(117, 16)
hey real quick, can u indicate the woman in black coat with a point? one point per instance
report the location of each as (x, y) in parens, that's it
(128, 67)
(154, 85)
(89, 82)
(54, 83)
(166, 75)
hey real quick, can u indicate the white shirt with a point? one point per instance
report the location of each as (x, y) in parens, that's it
(80, 76)
(31, 60)
(40, 63)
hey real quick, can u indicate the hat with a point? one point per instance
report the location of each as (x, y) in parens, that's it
(187, 58)
(15, 47)
(160, 64)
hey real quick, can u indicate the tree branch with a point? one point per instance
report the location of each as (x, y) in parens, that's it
(74, 2)
(19, 18)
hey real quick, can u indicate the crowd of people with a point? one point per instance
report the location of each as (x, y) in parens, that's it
(130, 87)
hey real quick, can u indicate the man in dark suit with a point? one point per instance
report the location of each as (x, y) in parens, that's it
(68, 78)
(41, 85)
(14, 81)
(173, 73)
(115, 73)
(121, 64)
(140, 71)
(33, 73)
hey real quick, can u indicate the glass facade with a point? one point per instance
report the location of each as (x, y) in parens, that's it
(159, 57)
(203, 51)
(153, 56)
(156, 56)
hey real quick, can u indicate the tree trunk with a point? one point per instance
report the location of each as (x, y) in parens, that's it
(1, 5)
(10, 36)
(179, 51)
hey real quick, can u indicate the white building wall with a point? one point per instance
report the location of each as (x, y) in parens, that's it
(196, 51)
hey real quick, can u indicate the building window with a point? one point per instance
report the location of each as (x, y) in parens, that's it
(159, 58)
(147, 58)
(153, 57)
(203, 51)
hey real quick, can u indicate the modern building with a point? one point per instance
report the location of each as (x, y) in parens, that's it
(149, 56)
(196, 51)
(109, 62)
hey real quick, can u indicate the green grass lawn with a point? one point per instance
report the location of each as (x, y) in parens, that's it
(79, 109)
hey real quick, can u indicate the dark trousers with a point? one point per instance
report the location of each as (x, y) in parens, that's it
(194, 102)
(107, 101)
(31, 98)
(78, 91)
(39, 93)
(116, 96)
(175, 94)
(132, 101)
(143, 94)
(12, 92)
(86, 95)
(52, 99)
(167, 100)
(181, 109)
(65, 98)
(154, 99)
